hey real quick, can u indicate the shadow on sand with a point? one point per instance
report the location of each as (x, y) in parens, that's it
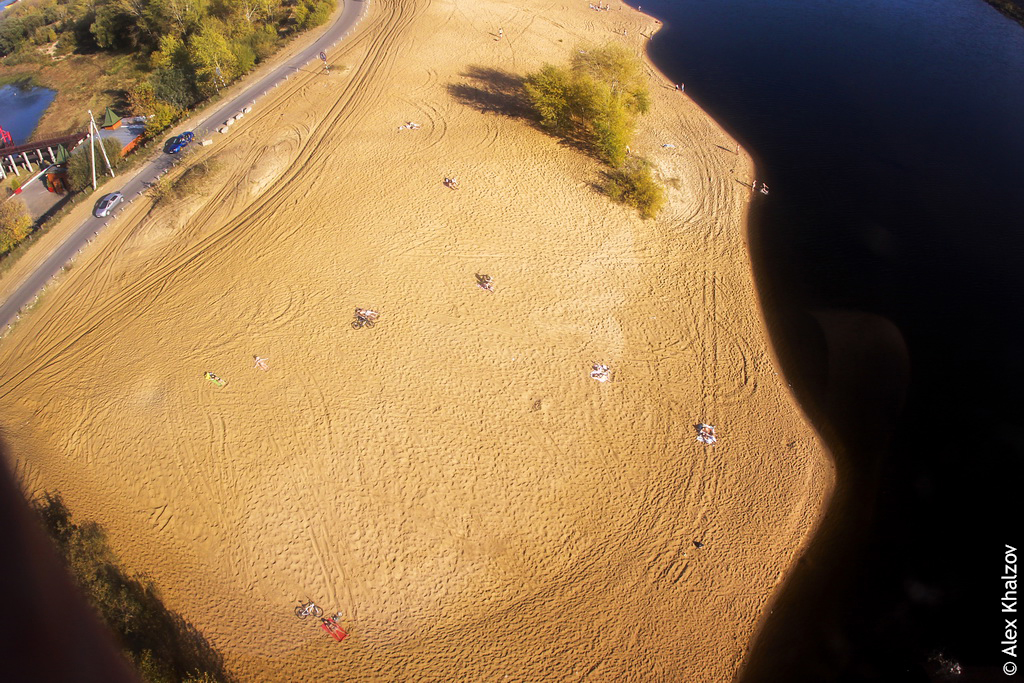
(493, 91)
(74, 613)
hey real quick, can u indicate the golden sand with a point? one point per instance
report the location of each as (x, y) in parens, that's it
(452, 480)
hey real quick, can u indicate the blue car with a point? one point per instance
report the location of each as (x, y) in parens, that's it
(178, 142)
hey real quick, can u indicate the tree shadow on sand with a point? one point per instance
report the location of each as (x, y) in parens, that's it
(161, 644)
(493, 91)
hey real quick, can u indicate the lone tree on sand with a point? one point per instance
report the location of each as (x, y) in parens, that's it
(595, 101)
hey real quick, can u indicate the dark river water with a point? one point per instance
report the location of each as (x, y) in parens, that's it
(21, 109)
(890, 260)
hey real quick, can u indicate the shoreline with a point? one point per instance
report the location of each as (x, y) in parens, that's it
(832, 502)
(467, 474)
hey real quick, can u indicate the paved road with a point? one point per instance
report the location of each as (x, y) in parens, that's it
(351, 13)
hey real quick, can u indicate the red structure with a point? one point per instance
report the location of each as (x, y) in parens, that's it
(331, 626)
(5, 138)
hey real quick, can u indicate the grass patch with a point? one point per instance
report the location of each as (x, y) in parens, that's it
(20, 80)
(634, 185)
(187, 184)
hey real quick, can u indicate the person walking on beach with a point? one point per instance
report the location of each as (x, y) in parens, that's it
(501, 33)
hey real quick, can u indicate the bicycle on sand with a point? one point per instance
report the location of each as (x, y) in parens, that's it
(308, 609)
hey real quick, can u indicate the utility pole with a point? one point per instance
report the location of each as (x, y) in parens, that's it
(92, 152)
(102, 148)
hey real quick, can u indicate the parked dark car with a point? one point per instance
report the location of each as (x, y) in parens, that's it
(178, 142)
(106, 203)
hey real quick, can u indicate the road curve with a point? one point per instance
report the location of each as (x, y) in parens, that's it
(27, 291)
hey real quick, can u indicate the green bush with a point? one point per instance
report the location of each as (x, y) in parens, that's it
(66, 43)
(15, 224)
(44, 35)
(263, 42)
(635, 186)
(312, 13)
(162, 117)
(318, 15)
(80, 165)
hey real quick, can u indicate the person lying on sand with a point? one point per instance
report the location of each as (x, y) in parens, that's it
(365, 317)
(451, 183)
(706, 434)
(485, 282)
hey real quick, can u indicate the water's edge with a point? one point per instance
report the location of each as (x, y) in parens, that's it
(832, 520)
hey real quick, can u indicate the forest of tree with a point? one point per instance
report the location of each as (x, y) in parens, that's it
(189, 48)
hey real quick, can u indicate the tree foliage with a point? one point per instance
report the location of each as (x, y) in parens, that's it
(634, 185)
(594, 101)
(184, 43)
(80, 163)
(15, 224)
(161, 645)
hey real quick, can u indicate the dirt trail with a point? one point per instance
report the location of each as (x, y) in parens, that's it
(452, 480)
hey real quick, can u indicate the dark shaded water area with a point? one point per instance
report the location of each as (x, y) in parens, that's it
(890, 261)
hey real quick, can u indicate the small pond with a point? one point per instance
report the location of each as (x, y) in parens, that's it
(21, 108)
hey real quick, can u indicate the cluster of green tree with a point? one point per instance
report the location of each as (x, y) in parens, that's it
(190, 47)
(15, 224)
(162, 646)
(594, 103)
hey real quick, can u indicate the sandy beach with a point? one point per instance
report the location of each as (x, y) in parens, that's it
(451, 480)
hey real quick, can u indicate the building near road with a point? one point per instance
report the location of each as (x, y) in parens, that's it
(127, 131)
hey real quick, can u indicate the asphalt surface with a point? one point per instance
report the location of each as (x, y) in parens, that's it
(27, 292)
